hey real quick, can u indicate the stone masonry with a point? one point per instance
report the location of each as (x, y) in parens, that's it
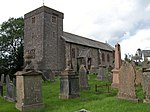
(51, 47)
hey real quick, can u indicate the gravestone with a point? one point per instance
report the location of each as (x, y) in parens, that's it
(83, 78)
(115, 81)
(127, 82)
(29, 87)
(146, 86)
(1, 85)
(101, 73)
(10, 90)
(69, 84)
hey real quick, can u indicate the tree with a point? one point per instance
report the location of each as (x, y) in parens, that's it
(127, 58)
(11, 45)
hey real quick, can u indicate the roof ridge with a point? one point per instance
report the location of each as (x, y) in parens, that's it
(73, 38)
(84, 37)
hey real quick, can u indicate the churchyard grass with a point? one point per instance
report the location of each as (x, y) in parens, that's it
(100, 101)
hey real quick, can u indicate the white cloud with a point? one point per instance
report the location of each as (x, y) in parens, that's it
(140, 40)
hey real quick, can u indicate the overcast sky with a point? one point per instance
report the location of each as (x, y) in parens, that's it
(126, 22)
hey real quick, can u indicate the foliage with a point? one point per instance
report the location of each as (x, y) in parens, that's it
(90, 100)
(11, 45)
(127, 58)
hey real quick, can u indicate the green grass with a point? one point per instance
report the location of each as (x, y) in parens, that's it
(100, 101)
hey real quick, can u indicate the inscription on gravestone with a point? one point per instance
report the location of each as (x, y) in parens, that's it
(83, 78)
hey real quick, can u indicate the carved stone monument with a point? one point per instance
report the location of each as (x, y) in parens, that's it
(29, 87)
(101, 72)
(115, 81)
(127, 82)
(83, 78)
(69, 84)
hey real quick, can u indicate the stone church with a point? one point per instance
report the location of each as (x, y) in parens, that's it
(53, 49)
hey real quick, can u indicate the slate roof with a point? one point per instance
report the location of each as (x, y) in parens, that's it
(72, 38)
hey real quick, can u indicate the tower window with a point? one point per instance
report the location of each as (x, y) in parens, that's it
(54, 19)
(54, 34)
(73, 53)
(33, 19)
(108, 58)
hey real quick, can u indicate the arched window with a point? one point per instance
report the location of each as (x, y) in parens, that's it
(73, 53)
(108, 58)
(103, 57)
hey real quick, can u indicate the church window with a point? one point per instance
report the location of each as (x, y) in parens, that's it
(33, 19)
(103, 57)
(54, 34)
(33, 35)
(73, 53)
(108, 58)
(54, 19)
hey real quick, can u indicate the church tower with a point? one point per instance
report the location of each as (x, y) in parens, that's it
(43, 28)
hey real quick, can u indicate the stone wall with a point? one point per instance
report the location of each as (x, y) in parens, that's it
(42, 37)
(33, 33)
(93, 53)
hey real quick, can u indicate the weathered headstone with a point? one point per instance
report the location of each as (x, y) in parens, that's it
(10, 90)
(1, 85)
(29, 87)
(101, 72)
(83, 78)
(69, 84)
(115, 81)
(146, 86)
(127, 82)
